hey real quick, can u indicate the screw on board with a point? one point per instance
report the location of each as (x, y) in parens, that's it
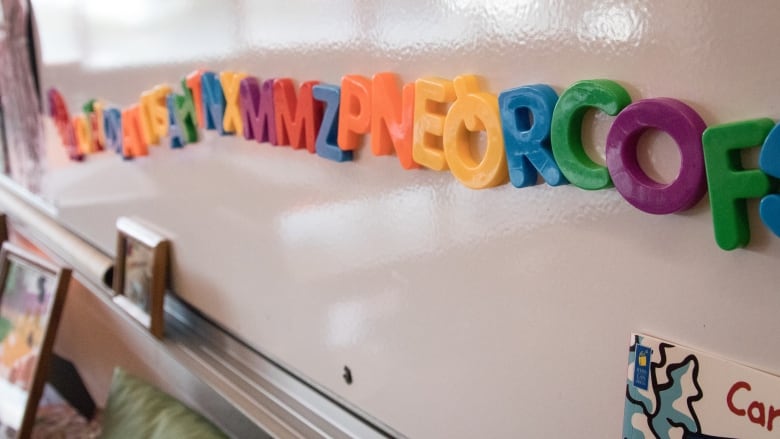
(347, 375)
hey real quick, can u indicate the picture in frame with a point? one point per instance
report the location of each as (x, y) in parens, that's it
(32, 295)
(140, 273)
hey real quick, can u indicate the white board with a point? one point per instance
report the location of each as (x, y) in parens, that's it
(461, 313)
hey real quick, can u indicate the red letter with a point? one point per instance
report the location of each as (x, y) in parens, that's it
(730, 397)
(297, 119)
(392, 118)
(760, 418)
(773, 413)
(58, 110)
(355, 107)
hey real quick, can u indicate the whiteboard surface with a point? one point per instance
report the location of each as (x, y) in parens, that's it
(461, 313)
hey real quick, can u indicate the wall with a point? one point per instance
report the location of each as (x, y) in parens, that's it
(504, 312)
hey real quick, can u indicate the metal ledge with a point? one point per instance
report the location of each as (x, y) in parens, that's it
(257, 397)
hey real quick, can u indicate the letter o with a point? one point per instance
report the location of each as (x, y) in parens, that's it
(475, 112)
(685, 126)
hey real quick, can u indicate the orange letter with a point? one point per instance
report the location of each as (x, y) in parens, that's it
(193, 82)
(231, 87)
(297, 119)
(392, 118)
(132, 138)
(355, 111)
(429, 95)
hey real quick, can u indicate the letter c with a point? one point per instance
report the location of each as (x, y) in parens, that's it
(730, 397)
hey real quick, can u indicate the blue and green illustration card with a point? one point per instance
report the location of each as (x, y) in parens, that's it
(673, 392)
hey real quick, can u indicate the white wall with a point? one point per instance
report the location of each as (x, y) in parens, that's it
(496, 313)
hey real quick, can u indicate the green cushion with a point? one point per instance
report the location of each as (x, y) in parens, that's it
(136, 409)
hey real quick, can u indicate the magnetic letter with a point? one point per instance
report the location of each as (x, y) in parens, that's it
(90, 110)
(769, 162)
(132, 138)
(194, 85)
(99, 123)
(112, 122)
(297, 119)
(177, 135)
(472, 111)
(392, 118)
(528, 145)
(327, 137)
(355, 111)
(183, 118)
(257, 110)
(566, 134)
(685, 126)
(58, 110)
(154, 114)
(729, 183)
(83, 130)
(213, 102)
(231, 87)
(427, 147)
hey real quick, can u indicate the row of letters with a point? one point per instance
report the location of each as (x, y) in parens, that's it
(529, 131)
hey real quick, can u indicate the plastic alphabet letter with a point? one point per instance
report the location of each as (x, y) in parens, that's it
(355, 111)
(528, 144)
(769, 162)
(58, 110)
(429, 95)
(231, 87)
(132, 138)
(154, 113)
(472, 111)
(82, 128)
(112, 123)
(93, 124)
(183, 117)
(392, 118)
(297, 118)
(685, 126)
(178, 139)
(194, 85)
(328, 134)
(566, 134)
(99, 123)
(257, 110)
(213, 102)
(729, 183)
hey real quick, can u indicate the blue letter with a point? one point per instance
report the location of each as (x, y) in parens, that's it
(528, 145)
(327, 145)
(213, 102)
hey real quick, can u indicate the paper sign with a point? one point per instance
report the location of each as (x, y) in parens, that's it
(673, 392)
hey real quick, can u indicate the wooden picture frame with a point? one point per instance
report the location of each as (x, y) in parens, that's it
(140, 273)
(3, 228)
(32, 295)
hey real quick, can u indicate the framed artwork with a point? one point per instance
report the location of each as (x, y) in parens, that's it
(140, 273)
(32, 295)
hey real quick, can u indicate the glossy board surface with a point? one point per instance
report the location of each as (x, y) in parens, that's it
(502, 312)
